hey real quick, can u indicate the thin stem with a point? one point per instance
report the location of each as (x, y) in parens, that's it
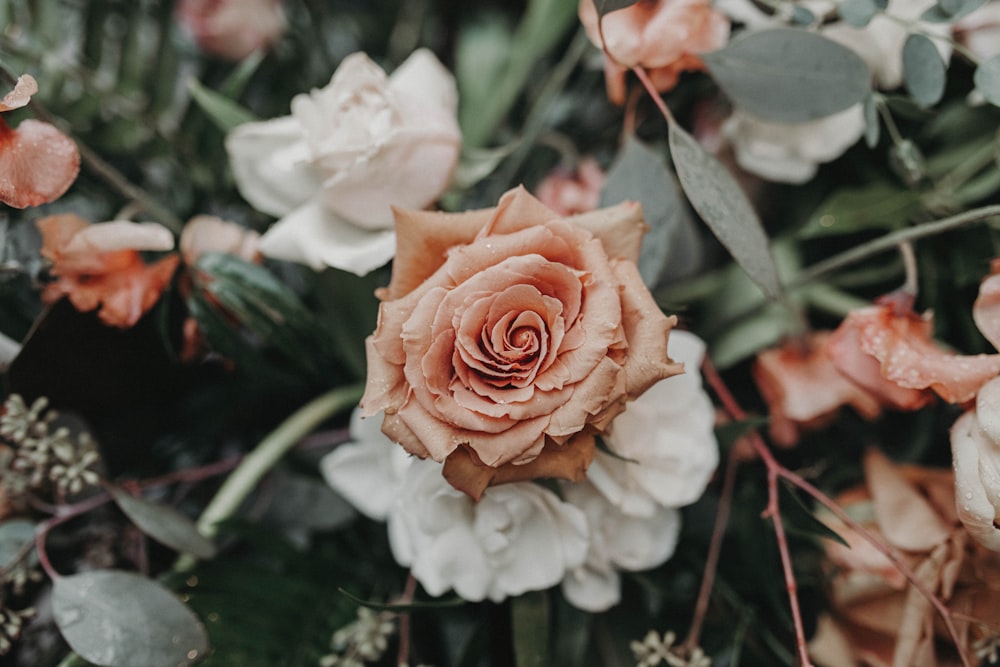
(403, 655)
(258, 462)
(911, 286)
(653, 93)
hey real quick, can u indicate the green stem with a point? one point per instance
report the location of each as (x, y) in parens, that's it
(258, 462)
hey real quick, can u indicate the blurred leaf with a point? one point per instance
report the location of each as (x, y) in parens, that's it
(14, 535)
(164, 524)
(872, 127)
(745, 338)
(802, 16)
(730, 432)
(724, 207)
(606, 6)
(475, 164)
(987, 80)
(402, 608)
(640, 174)
(530, 623)
(924, 72)
(800, 520)
(859, 12)
(789, 75)
(237, 81)
(120, 619)
(304, 502)
(877, 206)
(946, 11)
(224, 112)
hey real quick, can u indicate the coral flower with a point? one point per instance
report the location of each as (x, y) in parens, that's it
(38, 163)
(662, 36)
(99, 266)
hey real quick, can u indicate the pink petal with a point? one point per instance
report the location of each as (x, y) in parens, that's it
(38, 163)
(25, 87)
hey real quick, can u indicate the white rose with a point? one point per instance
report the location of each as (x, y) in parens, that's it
(664, 442)
(519, 537)
(333, 170)
(617, 541)
(975, 449)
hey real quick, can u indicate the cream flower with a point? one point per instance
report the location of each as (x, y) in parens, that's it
(519, 537)
(975, 448)
(664, 442)
(333, 170)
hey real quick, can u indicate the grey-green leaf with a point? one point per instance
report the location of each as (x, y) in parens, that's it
(164, 524)
(15, 535)
(946, 11)
(530, 624)
(872, 127)
(224, 112)
(858, 12)
(119, 619)
(607, 6)
(987, 80)
(789, 75)
(724, 207)
(924, 72)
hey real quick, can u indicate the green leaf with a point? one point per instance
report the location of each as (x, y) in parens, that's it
(305, 503)
(924, 72)
(724, 207)
(987, 80)
(730, 432)
(164, 524)
(640, 174)
(475, 164)
(224, 112)
(858, 12)
(880, 205)
(606, 6)
(120, 619)
(530, 624)
(789, 75)
(799, 519)
(15, 536)
(402, 608)
(872, 127)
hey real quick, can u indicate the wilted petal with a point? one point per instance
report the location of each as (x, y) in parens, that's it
(904, 516)
(38, 163)
(120, 235)
(313, 236)
(25, 87)
(975, 458)
(207, 233)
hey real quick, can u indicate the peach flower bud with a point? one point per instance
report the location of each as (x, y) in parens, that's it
(509, 337)
(350, 152)
(804, 390)
(232, 29)
(568, 192)
(99, 266)
(662, 36)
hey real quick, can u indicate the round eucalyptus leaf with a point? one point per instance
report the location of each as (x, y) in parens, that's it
(164, 524)
(789, 75)
(119, 619)
(724, 207)
(924, 72)
(858, 12)
(987, 80)
(947, 11)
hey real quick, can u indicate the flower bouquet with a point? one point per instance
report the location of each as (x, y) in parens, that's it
(558, 332)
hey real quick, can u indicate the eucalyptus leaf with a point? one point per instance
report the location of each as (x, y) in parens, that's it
(872, 127)
(946, 11)
(530, 624)
(15, 535)
(724, 207)
(305, 503)
(789, 75)
(858, 12)
(222, 111)
(924, 72)
(880, 205)
(987, 80)
(607, 6)
(164, 524)
(120, 619)
(640, 174)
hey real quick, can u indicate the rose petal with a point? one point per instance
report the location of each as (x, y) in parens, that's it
(422, 77)
(986, 310)
(271, 165)
(38, 163)
(313, 236)
(978, 513)
(904, 516)
(25, 87)
(120, 235)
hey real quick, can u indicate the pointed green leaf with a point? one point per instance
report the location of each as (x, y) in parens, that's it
(607, 6)
(987, 80)
(924, 72)
(789, 75)
(164, 524)
(120, 619)
(530, 623)
(224, 112)
(724, 207)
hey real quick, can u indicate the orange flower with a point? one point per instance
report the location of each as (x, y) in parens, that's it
(509, 337)
(38, 163)
(877, 619)
(662, 36)
(803, 389)
(99, 266)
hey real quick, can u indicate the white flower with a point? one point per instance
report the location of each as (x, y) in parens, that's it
(792, 152)
(975, 448)
(333, 170)
(617, 541)
(980, 31)
(519, 537)
(664, 441)
(368, 471)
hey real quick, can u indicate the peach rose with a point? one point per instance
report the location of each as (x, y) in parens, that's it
(663, 36)
(509, 337)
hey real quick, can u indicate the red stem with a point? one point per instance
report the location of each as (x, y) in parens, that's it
(403, 655)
